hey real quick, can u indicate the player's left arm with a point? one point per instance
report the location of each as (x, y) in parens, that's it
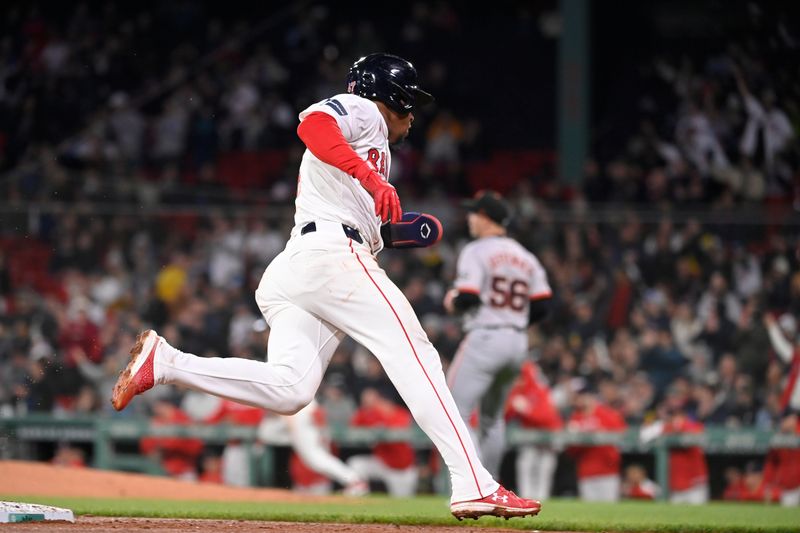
(466, 293)
(538, 309)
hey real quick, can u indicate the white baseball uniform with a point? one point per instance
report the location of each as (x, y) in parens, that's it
(325, 285)
(309, 441)
(507, 277)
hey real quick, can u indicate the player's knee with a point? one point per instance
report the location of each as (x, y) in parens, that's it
(296, 402)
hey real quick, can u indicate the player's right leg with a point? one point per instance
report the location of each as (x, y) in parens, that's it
(469, 377)
(492, 416)
(300, 348)
(357, 296)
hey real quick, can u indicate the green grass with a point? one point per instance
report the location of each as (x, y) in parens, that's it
(556, 514)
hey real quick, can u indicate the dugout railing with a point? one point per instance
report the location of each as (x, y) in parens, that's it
(107, 435)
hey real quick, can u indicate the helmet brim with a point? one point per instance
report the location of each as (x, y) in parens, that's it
(422, 98)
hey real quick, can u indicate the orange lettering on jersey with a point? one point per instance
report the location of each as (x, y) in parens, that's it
(508, 259)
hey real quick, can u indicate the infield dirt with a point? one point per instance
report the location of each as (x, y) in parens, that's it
(40, 479)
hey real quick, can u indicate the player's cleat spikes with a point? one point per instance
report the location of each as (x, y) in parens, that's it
(502, 502)
(138, 375)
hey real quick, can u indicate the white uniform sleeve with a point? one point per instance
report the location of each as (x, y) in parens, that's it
(469, 271)
(540, 287)
(355, 115)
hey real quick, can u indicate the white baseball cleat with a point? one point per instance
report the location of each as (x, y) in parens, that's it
(138, 376)
(502, 503)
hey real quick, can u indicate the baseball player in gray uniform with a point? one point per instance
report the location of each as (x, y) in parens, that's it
(500, 288)
(327, 284)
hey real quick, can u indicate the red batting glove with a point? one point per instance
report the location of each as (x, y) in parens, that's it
(387, 203)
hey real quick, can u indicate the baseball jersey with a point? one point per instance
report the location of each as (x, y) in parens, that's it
(687, 466)
(326, 193)
(506, 276)
(600, 460)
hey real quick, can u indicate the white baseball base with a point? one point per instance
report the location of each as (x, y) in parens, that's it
(15, 512)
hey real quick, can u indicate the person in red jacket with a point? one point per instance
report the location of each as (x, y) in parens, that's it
(637, 486)
(688, 472)
(235, 457)
(178, 455)
(782, 468)
(598, 466)
(530, 405)
(749, 486)
(393, 463)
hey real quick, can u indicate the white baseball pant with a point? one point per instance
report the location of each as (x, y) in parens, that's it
(599, 488)
(235, 465)
(790, 498)
(535, 468)
(401, 483)
(697, 495)
(322, 287)
(309, 444)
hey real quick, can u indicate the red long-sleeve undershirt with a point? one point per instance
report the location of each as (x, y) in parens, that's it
(321, 134)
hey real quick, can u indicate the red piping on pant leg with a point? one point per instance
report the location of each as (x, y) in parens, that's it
(460, 441)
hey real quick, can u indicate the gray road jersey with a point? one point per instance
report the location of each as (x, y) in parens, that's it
(506, 276)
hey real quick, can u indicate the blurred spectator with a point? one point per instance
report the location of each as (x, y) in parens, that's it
(177, 456)
(392, 463)
(781, 334)
(747, 486)
(529, 403)
(782, 466)
(768, 129)
(598, 467)
(313, 465)
(688, 472)
(69, 456)
(660, 358)
(236, 465)
(697, 139)
(211, 469)
(637, 486)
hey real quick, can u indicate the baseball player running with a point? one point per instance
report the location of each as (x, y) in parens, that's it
(305, 432)
(327, 284)
(500, 288)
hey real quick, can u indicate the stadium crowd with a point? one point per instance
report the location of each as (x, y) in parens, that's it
(658, 316)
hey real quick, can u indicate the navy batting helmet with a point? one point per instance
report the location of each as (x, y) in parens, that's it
(388, 79)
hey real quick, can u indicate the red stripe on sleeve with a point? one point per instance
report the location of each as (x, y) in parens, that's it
(541, 296)
(468, 290)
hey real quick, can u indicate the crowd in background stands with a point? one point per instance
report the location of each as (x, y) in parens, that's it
(649, 312)
(83, 117)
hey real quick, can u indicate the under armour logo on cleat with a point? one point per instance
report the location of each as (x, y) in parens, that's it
(495, 497)
(425, 230)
